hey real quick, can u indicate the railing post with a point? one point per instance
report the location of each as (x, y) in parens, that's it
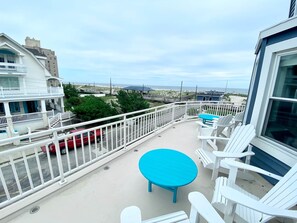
(155, 119)
(186, 111)
(60, 119)
(29, 134)
(173, 112)
(59, 158)
(218, 104)
(125, 131)
(49, 123)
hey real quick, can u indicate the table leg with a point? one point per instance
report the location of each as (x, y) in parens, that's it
(149, 186)
(174, 194)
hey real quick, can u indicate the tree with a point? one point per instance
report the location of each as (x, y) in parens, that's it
(71, 96)
(70, 91)
(131, 101)
(91, 108)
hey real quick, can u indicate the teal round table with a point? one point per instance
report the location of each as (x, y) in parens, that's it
(207, 117)
(168, 169)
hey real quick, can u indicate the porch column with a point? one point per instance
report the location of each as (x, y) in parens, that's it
(62, 105)
(8, 118)
(44, 113)
(25, 86)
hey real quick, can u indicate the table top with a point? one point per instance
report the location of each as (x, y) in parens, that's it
(206, 116)
(167, 167)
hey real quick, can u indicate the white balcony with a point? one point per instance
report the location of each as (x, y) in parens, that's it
(95, 182)
(15, 68)
(23, 93)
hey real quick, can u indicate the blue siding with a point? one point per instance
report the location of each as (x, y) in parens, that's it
(262, 159)
(269, 163)
(279, 37)
(256, 83)
(283, 36)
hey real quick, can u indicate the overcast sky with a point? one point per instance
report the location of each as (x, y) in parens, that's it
(150, 42)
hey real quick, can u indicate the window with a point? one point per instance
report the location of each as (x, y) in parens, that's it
(7, 57)
(14, 107)
(11, 83)
(281, 117)
(11, 59)
(2, 60)
(1, 108)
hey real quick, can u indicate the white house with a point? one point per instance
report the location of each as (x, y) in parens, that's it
(25, 91)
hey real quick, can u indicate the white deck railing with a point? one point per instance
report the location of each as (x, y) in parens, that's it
(58, 118)
(30, 92)
(24, 117)
(13, 67)
(25, 170)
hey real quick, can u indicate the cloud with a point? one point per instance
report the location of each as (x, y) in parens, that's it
(155, 42)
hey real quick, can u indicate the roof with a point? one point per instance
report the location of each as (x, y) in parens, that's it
(278, 28)
(36, 52)
(34, 57)
(138, 88)
(219, 93)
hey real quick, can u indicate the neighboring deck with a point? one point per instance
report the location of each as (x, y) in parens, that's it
(101, 195)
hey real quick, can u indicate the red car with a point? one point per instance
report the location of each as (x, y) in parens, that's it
(74, 141)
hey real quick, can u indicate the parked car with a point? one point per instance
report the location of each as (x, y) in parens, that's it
(75, 141)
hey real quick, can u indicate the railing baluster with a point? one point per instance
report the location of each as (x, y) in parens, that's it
(38, 165)
(89, 143)
(27, 170)
(83, 146)
(16, 177)
(75, 150)
(116, 131)
(107, 139)
(59, 159)
(111, 137)
(67, 155)
(125, 132)
(4, 185)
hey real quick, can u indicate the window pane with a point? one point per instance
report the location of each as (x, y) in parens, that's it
(2, 60)
(286, 82)
(9, 82)
(281, 126)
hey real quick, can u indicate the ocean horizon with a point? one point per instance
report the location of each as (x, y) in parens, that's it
(172, 88)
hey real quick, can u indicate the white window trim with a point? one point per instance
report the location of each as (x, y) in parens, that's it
(265, 90)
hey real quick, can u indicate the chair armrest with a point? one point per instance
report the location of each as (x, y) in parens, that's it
(212, 137)
(239, 165)
(131, 214)
(203, 125)
(222, 154)
(242, 199)
(200, 205)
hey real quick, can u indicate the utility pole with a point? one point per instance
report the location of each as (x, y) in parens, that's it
(110, 87)
(181, 89)
(142, 89)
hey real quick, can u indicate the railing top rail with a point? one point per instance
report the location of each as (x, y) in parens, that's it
(61, 129)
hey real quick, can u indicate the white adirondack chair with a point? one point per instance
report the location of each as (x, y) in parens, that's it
(199, 206)
(219, 125)
(237, 143)
(241, 206)
(237, 120)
